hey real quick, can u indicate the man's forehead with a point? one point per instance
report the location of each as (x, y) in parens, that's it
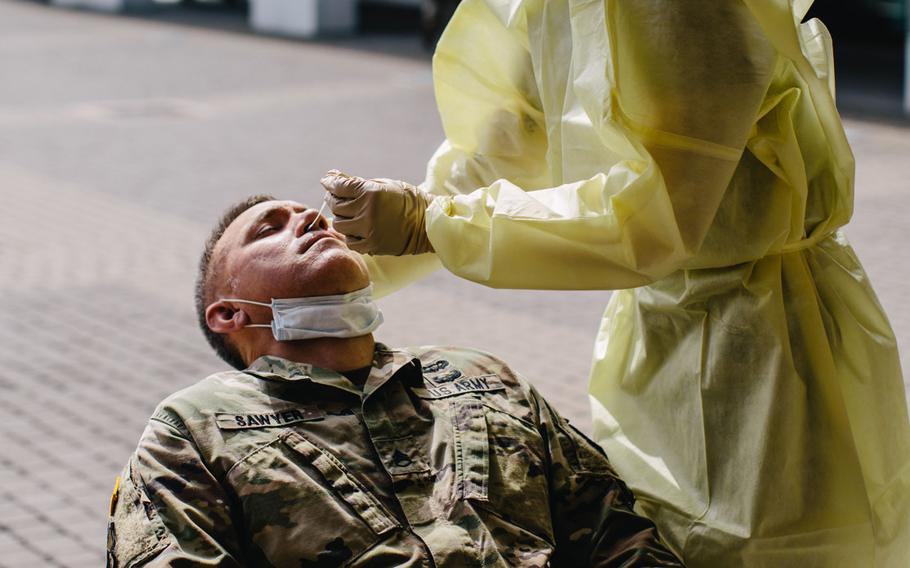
(263, 208)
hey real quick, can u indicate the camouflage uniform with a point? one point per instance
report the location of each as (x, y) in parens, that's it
(444, 458)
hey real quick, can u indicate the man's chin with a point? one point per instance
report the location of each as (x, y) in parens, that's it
(336, 270)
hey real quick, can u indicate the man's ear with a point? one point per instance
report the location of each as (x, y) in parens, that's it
(223, 317)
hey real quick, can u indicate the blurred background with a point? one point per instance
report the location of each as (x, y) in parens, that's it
(129, 125)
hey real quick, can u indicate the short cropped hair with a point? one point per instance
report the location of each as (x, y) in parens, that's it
(207, 281)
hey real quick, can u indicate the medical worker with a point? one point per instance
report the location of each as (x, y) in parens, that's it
(689, 154)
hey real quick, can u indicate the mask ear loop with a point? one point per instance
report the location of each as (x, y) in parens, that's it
(268, 325)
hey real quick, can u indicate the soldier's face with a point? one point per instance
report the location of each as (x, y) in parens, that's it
(268, 253)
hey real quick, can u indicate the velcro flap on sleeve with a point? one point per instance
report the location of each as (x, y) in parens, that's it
(136, 533)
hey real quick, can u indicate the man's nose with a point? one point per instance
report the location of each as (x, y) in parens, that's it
(306, 218)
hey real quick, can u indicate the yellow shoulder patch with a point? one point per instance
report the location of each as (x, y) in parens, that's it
(115, 495)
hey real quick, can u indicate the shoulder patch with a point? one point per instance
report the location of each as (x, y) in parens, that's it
(483, 383)
(115, 495)
(270, 418)
(435, 366)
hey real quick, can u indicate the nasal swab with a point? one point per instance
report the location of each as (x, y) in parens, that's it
(318, 215)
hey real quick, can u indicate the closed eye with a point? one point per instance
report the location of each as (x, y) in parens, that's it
(264, 231)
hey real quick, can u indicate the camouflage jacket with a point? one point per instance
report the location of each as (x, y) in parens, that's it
(444, 458)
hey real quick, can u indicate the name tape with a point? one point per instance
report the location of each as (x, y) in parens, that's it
(268, 419)
(485, 383)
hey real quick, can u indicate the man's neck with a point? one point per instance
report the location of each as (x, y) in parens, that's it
(337, 354)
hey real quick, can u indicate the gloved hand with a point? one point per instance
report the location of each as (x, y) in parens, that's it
(378, 216)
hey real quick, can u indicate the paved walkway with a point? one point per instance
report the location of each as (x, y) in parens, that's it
(122, 141)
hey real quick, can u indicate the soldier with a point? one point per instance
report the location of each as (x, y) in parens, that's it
(325, 448)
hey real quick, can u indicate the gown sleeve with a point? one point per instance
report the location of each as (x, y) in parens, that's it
(589, 144)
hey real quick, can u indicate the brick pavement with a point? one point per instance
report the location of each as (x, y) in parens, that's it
(123, 140)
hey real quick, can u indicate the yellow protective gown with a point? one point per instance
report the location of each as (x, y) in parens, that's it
(749, 389)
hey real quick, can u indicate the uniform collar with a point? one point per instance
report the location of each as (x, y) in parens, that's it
(386, 363)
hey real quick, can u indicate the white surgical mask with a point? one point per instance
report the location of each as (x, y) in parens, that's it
(343, 315)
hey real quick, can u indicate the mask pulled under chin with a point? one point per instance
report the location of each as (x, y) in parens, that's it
(342, 315)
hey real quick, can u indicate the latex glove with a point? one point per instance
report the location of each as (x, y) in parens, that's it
(378, 216)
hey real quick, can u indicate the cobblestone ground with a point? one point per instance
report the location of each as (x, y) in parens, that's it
(122, 141)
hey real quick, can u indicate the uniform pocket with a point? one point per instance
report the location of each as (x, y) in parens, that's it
(500, 465)
(518, 472)
(135, 532)
(345, 485)
(303, 507)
